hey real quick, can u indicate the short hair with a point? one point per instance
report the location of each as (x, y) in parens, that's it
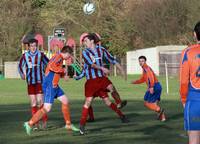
(142, 57)
(197, 30)
(67, 49)
(92, 36)
(33, 41)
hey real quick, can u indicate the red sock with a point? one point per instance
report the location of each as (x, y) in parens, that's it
(114, 108)
(90, 113)
(116, 97)
(34, 110)
(45, 117)
(84, 116)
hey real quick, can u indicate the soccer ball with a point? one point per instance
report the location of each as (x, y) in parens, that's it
(89, 8)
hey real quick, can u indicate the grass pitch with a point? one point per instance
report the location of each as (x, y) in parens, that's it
(107, 129)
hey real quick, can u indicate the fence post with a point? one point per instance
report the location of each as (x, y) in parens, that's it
(166, 74)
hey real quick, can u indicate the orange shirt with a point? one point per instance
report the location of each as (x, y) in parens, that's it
(148, 76)
(189, 70)
(55, 65)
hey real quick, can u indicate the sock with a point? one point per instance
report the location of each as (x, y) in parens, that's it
(34, 109)
(66, 113)
(84, 116)
(152, 106)
(116, 97)
(114, 108)
(45, 117)
(90, 113)
(37, 116)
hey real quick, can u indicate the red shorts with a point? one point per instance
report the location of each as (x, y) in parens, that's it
(34, 89)
(101, 94)
(97, 86)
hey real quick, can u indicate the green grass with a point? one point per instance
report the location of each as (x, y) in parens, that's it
(143, 128)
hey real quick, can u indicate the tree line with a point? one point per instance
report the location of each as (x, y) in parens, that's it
(127, 24)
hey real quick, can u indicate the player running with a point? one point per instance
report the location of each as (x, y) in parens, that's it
(153, 93)
(190, 87)
(34, 63)
(52, 90)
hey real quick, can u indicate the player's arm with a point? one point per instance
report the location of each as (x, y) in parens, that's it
(21, 66)
(141, 80)
(80, 76)
(150, 77)
(89, 62)
(113, 61)
(184, 76)
(45, 60)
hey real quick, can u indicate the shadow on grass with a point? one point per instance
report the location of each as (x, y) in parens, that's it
(107, 128)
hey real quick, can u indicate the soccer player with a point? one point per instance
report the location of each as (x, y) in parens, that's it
(52, 90)
(190, 87)
(96, 79)
(34, 63)
(109, 59)
(152, 95)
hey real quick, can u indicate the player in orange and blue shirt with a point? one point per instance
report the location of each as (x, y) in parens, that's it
(51, 89)
(153, 93)
(190, 87)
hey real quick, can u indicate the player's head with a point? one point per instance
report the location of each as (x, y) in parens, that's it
(90, 40)
(197, 31)
(66, 52)
(32, 44)
(142, 60)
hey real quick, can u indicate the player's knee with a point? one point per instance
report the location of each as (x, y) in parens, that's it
(47, 108)
(110, 88)
(107, 101)
(87, 103)
(33, 102)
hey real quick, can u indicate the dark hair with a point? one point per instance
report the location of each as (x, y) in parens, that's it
(142, 57)
(197, 30)
(92, 36)
(67, 49)
(33, 41)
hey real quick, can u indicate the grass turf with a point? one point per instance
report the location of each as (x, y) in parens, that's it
(107, 129)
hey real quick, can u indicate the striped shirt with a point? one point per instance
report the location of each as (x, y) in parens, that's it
(32, 65)
(96, 57)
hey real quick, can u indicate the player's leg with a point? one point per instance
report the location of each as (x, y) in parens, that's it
(48, 101)
(36, 117)
(192, 119)
(116, 96)
(84, 115)
(194, 137)
(65, 109)
(90, 114)
(113, 106)
(151, 102)
(40, 102)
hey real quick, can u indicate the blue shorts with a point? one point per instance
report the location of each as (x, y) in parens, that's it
(51, 93)
(192, 113)
(151, 98)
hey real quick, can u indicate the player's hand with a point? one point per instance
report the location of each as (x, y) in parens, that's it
(151, 90)
(23, 77)
(105, 70)
(75, 77)
(66, 77)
